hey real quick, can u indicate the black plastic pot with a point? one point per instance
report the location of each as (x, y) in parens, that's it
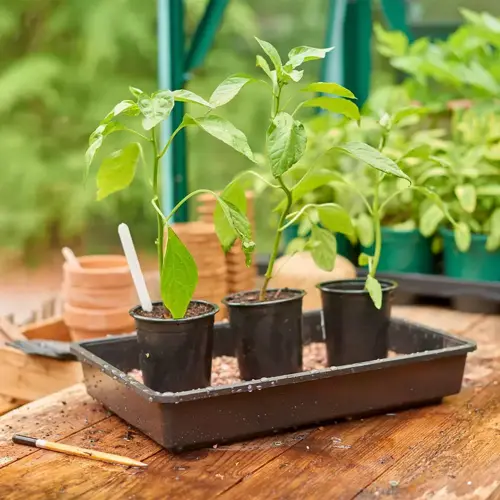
(355, 330)
(175, 354)
(269, 334)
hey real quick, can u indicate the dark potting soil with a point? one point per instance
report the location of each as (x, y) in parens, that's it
(253, 296)
(161, 312)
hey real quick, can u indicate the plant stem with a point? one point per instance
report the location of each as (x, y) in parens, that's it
(378, 229)
(167, 145)
(156, 199)
(277, 240)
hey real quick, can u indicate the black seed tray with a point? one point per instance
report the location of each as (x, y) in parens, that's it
(430, 365)
(468, 296)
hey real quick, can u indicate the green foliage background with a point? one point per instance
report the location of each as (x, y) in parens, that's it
(64, 64)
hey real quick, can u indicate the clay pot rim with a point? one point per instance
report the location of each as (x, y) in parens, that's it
(95, 312)
(97, 271)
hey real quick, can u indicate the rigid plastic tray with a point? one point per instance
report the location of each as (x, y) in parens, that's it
(429, 365)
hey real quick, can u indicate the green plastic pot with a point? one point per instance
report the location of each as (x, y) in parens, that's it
(476, 264)
(344, 246)
(404, 252)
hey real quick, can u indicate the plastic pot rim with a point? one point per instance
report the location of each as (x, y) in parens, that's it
(449, 233)
(298, 295)
(213, 312)
(328, 286)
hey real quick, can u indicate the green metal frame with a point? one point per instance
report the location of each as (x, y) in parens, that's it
(174, 66)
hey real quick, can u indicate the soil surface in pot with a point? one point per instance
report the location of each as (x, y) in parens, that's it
(253, 296)
(161, 312)
(225, 368)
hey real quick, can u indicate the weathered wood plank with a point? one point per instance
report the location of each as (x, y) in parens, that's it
(315, 468)
(54, 417)
(31, 377)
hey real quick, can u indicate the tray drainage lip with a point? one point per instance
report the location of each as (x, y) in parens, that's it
(462, 347)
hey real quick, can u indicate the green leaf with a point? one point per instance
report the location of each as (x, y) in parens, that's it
(97, 137)
(364, 259)
(127, 107)
(430, 220)
(341, 106)
(294, 74)
(329, 88)
(137, 93)
(299, 55)
(179, 276)
(401, 114)
(335, 218)
(156, 108)
(323, 248)
(230, 220)
(235, 194)
(228, 89)
(490, 190)
(372, 157)
(375, 291)
(422, 151)
(493, 241)
(184, 95)
(286, 143)
(466, 195)
(272, 53)
(295, 246)
(117, 171)
(432, 173)
(224, 130)
(462, 236)
(365, 230)
(262, 63)
(390, 43)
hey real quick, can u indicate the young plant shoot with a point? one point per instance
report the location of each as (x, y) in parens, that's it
(285, 145)
(383, 166)
(178, 271)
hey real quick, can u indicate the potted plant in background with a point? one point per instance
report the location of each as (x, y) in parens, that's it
(467, 178)
(357, 312)
(268, 322)
(175, 338)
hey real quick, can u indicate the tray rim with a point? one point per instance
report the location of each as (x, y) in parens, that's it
(463, 347)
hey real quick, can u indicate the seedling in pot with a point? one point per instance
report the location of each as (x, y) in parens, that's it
(384, 168)
(268, 322)
(168, 363)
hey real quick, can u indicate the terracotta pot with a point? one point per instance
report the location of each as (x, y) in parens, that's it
(98, 271)
(94, 298)
(116, 320)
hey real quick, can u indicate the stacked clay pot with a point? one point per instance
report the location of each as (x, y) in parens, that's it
(239, 276)
(202, 242)
(98, 296)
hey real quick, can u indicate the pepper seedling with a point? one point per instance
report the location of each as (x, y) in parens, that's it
(286, 142)
(384, 168)
(178, 271)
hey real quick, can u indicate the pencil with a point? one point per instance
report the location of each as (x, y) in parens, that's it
(76, 451)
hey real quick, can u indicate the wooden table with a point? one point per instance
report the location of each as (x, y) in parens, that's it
(449, 451)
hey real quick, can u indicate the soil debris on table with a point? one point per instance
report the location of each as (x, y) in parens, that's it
(225, 370)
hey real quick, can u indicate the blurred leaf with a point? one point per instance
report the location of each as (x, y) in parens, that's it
(364, 259)
(375, 291)
(365, 230)
(462, 236)
(272, 53)
(401, 114)
(335, 218)
(466, 195)
(117, 171)
(286, 143)
(372, 157)
(179, 276)
(430, 220)
(323, 248)
(329, 88)
(295, 246)
(488, 190)
(341, 106)
(493, 241)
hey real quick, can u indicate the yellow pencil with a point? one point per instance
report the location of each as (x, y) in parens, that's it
(76, 451)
